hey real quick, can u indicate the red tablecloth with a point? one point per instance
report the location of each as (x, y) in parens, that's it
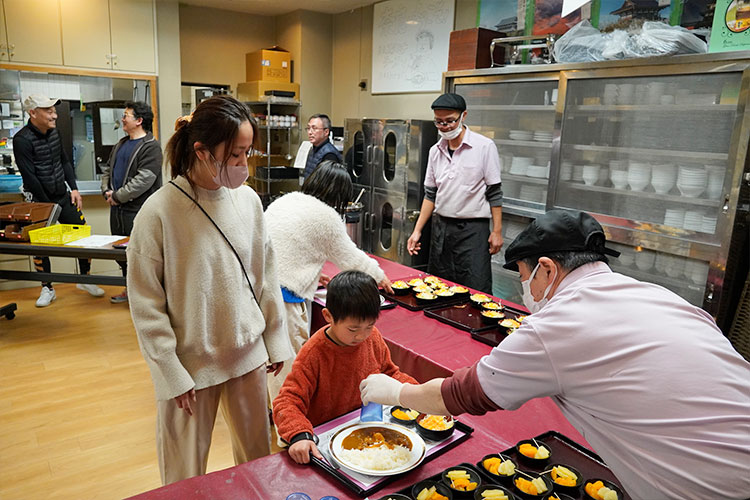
(422, 347)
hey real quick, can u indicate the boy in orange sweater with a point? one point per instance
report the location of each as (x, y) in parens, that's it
(325, 376)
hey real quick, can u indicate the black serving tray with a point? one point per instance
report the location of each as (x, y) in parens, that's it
(563, 451)
(409, 300)
(346, 481)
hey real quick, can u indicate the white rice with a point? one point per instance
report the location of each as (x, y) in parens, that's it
(378, 458)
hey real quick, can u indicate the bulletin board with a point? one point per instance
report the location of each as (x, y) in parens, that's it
(410, 40)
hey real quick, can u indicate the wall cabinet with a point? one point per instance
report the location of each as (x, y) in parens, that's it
(655, 149)
(21, 44)
(119, 34)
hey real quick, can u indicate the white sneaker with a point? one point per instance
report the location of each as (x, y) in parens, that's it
(92, 289)
(46, 297)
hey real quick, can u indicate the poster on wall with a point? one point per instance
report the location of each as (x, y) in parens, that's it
(731, 26)
(501, 16)
(410, 40)
(619, 14)
(547, 18)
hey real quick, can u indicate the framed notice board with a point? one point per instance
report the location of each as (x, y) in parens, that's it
(410, 40)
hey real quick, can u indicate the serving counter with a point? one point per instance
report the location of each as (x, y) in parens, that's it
(422, 347)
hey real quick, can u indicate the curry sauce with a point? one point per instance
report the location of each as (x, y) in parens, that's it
(372, 437)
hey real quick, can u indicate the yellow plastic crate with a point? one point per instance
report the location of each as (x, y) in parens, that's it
(59, 234)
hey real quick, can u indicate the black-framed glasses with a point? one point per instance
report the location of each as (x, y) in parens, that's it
(314, 129)
(447, 123)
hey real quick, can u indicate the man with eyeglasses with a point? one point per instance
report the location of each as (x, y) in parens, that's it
(318, 128)
(462, 193)
(47, 173)
(132, 174)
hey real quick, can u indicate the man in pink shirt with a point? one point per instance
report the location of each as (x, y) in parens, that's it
(647, 378)
(462, 193)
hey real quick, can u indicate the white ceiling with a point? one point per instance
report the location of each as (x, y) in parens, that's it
(278, 7)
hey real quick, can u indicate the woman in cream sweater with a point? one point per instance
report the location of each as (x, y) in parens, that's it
(307, 230)
(204, 295)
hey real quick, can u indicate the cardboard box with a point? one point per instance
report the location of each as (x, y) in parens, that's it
(255, 91)
(269, 65)
(470, 49)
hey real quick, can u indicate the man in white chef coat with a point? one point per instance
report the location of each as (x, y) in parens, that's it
(647, 378)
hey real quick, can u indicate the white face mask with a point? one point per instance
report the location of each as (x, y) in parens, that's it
(452, 134)
(234, 175)
(528, 299)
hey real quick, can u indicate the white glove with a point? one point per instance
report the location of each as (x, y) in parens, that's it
(380, 388)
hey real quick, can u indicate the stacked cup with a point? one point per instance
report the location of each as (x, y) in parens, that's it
(618, 173)
(590, 174)
(692, 181)
(639, 175)
(663, 177)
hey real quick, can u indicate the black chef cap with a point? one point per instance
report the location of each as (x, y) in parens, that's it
(558, 231)
(449, 101)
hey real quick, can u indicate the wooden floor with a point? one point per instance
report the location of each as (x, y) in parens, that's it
(77, 411)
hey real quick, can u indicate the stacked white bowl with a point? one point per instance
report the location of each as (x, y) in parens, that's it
(639, 175)
(655, 91)
(519, 165)
(692, 181)
(618, 173)
(521, 135)
(663, 177)
(715, 183)
(577, 173)
(697, 271)
(610, 94)
(694, 220)
(675, 266)
(644, 260)
(709, 224)
(675, 217)
(641, 93)
(590, 174)
(543, 136)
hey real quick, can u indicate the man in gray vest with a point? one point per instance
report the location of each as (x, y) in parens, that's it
(46, 171)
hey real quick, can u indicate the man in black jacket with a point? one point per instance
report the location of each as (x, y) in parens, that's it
(46, 170)
(132, 174)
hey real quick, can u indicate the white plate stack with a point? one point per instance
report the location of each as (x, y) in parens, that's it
(566, 170)
(692, 181)
(663, 177)
(610, 94)
(715, 183)
(694, 220)
(537, 171)
(709, 224)
(542, 136)
(675, 217)
(519, 165)
(536, 194)
(521, 135)
(639, 175)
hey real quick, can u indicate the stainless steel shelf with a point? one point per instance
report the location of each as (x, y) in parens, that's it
(525, 179)
(513, 107)
(651, 108)
(642, 194)
(689, 155)
(526, 144)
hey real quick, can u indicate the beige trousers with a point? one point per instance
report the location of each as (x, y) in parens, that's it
(299, 331)
(183, 441)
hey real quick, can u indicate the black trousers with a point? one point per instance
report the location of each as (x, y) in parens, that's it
(460, 251)
(121, 223)
(68, 215)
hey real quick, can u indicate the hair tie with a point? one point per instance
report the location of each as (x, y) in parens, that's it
(182, 121)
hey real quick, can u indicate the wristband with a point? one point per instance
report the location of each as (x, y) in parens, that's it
(304, 436)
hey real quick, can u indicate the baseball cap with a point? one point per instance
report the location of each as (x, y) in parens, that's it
(558, 231)
(449, 101)
(39, 101)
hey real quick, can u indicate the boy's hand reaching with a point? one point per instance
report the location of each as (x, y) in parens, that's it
(380, 388)
(300, 451)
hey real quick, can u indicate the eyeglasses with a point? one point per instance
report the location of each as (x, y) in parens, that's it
(314, 129)
(446, 123)
(128, 115)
